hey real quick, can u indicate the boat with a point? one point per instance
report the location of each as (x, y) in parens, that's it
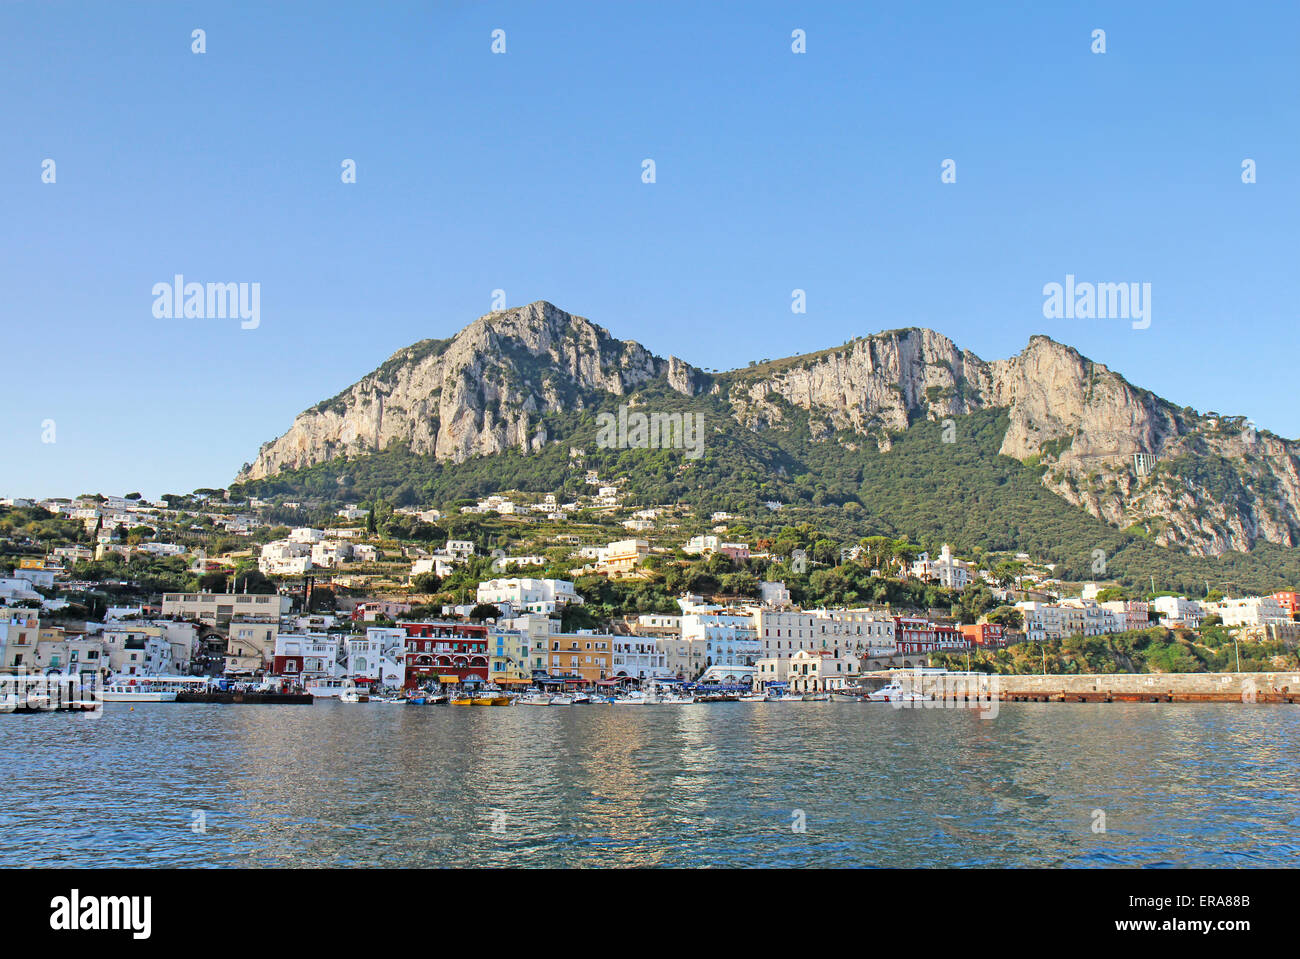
(635, 698)
(354, 695)
(462, 700)
(816, 697)
(330, 688)
(581, 699)
(895, 693)
(675, 699)
(535, 699)
(141, 689)
(499, 700)
(754, 698)
(562, 699)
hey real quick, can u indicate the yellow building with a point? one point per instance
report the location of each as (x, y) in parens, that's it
(589, 655)
(509, 652)
(623, 556)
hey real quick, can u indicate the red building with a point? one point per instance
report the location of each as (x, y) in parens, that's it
(949, 637)
(286, 665)
(437, 650)
(914, 635)
(985, 634)
(1289, 600)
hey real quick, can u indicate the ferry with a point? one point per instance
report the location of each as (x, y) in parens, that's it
(151, 689)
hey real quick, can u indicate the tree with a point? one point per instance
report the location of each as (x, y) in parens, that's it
(426, 583)
(484, 611)
(1007, 616)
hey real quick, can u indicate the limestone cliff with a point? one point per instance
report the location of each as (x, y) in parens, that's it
(1205, 483)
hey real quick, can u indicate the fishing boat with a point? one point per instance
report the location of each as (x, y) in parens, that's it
(754, 698)
(816, 697)
(462, 700)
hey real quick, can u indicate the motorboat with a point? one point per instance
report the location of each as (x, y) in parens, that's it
(894, 692)
(535, 699)
(754, 698)
(562, 699)
(634, 698)
(581, 699)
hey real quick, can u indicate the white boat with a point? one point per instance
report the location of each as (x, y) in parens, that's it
(754, 698)
(329, 688)
(147, 689)
(561, 700)
(635, 698)
(581, 699)
(534, 699)
(895, 693)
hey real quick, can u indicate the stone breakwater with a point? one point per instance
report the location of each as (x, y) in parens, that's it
(1115, 687)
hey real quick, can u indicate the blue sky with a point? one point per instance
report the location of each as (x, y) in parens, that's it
(522, 171)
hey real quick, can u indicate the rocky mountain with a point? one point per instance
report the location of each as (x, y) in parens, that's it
(1204, 483)
(478, 393)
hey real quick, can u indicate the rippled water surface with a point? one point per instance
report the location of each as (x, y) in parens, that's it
(720, 785)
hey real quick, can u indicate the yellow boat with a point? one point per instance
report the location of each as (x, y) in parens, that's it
(491, 700)
(461, 701)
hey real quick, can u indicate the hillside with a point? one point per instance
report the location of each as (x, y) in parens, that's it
(897, 432)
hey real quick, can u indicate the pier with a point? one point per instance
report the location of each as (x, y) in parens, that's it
(1247, 688)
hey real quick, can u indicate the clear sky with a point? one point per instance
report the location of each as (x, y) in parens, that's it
(522, 171)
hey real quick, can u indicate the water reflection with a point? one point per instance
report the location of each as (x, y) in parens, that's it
(336, 785)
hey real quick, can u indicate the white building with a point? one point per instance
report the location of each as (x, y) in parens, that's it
(947, 570)
(728, 639)
(815, 672)
(774, 594)
(285, 558)
(531, 595)
(1250, 611)
(1177, 611)
(639, 657)
(380, 656)
(783, 632)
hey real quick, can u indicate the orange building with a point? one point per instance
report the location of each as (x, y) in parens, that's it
(589, 655)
